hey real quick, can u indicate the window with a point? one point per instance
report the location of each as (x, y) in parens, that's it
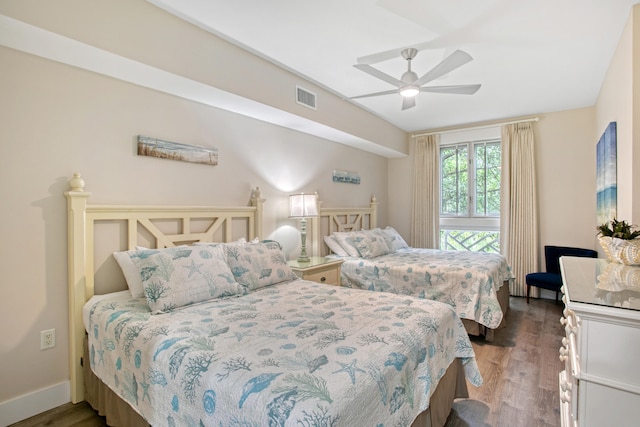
(470, 195)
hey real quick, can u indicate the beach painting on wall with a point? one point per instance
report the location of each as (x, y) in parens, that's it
(606, 175)
(154, 147)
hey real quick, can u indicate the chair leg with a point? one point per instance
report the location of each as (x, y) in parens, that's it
(528, 290)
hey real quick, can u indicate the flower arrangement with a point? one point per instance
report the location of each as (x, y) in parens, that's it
(620, 242)
(618, 229)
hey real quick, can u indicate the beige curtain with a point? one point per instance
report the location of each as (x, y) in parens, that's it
(425, 226)
(519, 208)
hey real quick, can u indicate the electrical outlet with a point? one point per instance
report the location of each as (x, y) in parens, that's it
(47, 339)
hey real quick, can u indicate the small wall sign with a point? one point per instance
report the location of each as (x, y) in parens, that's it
(346, 177)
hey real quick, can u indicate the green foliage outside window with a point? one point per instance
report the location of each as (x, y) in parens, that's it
(458, 181)
(455, 176)
(470, 196)
(487, 179)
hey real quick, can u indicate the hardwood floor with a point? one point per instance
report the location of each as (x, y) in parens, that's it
(520, 371)
(68, 415)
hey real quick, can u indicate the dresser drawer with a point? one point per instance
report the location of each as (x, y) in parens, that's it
(328, 275)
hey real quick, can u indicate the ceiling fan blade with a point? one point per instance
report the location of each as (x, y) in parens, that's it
(379, 74)
(408, 102)
(386, 92)
(450, 63)
(374, 58)
(457, 89)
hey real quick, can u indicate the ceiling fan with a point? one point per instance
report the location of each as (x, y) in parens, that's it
(410, 84)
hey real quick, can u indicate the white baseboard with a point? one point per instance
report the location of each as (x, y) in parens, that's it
(28, 405)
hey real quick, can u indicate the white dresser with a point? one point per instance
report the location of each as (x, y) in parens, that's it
(600, 385)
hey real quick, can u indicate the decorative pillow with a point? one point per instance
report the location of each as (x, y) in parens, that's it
(257, 265)
(181, 276)
(394, 239)
(371, 243)
(345, 239)
(131, 273)
(335, 247)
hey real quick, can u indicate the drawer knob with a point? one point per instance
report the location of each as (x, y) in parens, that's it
(563, 354)
(323, 279)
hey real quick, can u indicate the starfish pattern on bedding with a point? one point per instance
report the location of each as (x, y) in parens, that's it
(351, 369)
(193, 268)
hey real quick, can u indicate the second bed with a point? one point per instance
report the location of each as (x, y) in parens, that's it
(476, 284)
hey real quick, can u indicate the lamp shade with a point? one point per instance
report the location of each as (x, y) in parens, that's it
(302, 205)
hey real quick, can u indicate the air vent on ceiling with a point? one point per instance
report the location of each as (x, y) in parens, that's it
(305, 97)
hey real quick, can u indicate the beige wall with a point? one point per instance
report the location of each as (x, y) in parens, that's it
(618, 102)
(56, 120)
(566, 178)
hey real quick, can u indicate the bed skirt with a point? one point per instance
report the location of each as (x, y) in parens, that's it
(119, 414)
(476, 329)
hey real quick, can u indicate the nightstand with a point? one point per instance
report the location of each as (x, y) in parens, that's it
(319, 269)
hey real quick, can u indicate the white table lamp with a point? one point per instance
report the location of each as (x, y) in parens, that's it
(303, 206)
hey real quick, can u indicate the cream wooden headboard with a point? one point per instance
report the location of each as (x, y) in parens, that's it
(82, 218)
(341, 219)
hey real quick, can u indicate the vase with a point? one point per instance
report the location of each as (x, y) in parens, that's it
(621, 251)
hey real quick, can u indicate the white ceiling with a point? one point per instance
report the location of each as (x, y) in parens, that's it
(531, 57)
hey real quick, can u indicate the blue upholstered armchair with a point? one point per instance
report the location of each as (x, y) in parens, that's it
(552, 280)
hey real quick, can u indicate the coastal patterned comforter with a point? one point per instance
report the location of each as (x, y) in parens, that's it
(297, 353)
(467, 281)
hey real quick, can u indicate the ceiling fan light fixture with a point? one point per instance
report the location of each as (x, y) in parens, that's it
(409, 91)
(410, 85)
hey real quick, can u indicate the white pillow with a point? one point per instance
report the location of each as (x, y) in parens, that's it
(345, 239)
(335, 247)
(394, 239)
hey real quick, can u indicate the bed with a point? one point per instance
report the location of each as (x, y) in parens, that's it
(475, 284)
(269, 349)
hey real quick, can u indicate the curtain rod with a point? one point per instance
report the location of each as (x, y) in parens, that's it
(534, 119)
